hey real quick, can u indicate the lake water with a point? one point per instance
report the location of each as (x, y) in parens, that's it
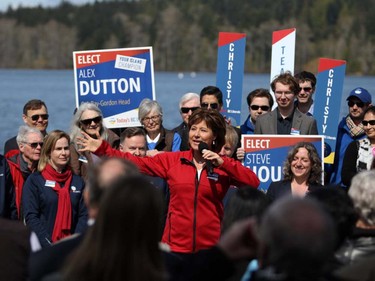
(56, 88)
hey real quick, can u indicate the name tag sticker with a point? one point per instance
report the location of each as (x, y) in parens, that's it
(294, 132)
(50, 183)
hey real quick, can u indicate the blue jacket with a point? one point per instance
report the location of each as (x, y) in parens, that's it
(39, 204)
(342, 141)
(247, 127)
(7, 197)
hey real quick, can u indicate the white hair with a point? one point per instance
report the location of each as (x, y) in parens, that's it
(24, 131)
(362, 192)
(146, 106)
(75, 129)
(188, 97)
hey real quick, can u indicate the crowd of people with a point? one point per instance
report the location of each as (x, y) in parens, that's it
(159, 204)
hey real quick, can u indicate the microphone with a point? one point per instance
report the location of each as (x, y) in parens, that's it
(202, 146)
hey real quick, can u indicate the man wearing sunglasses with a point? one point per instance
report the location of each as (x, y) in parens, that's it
(189, 102)
(307, 82)
(211, 97)
(30, 142)
(35, 114)
(350, 128)
(259, 101)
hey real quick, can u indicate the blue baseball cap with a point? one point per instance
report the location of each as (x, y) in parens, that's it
(360, 93)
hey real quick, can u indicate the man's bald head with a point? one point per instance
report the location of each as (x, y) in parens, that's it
(102, 176)
(297, 237)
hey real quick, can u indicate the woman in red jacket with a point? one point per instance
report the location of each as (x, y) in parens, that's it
(198, 180)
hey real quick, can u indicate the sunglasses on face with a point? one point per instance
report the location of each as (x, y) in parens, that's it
(306, 89)
(262, 107)
(87, 122)
(37, 116)
(210, 105)
(368, 122)
(357, 103)
(34, 144)
(187, 109)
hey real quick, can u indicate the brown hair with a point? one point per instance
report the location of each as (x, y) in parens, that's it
(260, 93)
(215, 121)
(33, 105)
(132, 132)
(286, 78)
(316, 163)
(123, 242)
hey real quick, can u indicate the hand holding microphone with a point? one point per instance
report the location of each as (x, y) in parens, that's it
(204, 146)
(212, 158)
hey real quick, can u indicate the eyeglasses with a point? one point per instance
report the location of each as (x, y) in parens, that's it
(357, 103)
(187, 109)
(262, 107)
(87, 122)
(153, 118)
(211, 105)
(34, 144)
(285, 93)
(369, 122)
(306, 89)
(37, 116)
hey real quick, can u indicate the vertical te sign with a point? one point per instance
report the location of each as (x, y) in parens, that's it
(230, 72)
(283, 52)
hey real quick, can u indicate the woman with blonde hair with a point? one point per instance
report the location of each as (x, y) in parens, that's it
(52, 198)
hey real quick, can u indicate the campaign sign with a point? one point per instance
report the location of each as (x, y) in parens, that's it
(116, 80)
(283, 52)
(265, 154)
(230, 72)
(327, 101)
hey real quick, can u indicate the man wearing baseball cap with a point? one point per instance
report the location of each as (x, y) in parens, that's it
(350, 128)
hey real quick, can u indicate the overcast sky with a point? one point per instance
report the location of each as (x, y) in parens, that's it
(4, 4)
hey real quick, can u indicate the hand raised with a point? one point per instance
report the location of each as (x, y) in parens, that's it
(87, 143)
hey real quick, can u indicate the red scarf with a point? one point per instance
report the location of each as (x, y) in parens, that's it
(63, 219)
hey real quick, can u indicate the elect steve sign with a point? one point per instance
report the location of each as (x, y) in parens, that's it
(265, 154)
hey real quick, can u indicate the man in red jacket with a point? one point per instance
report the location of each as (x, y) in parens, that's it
(22, 164)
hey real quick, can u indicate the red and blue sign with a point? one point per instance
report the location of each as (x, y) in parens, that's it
(116, 80)
(328, 96)
(265, 155)
(230, 72)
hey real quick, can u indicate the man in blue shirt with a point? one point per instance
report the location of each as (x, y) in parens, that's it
(259, 101)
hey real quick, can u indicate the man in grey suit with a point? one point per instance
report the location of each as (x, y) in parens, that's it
(286, 119)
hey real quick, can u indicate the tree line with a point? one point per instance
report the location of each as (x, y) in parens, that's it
(183, 33)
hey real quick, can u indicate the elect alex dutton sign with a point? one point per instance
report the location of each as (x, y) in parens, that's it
(116, 80)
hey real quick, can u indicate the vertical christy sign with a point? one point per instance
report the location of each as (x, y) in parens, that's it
(283, 52)
(230, 72)
(116, 80)
(327, 101)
